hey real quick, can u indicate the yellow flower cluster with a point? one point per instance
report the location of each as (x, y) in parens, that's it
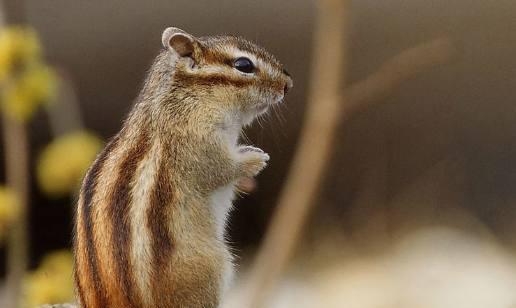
(63, 163)
(52, 282)
(25, 80)
(35, 86)
(9, 209)
(17, 46)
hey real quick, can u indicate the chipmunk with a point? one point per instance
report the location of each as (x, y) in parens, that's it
(149, 227)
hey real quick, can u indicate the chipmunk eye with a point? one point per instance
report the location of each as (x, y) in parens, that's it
(244, 65)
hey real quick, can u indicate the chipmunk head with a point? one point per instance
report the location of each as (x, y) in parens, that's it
(228, 79)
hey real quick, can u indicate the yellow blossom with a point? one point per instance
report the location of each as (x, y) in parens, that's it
(21, 96)
(52, 281)
(63, 163)
(9, 209)
(17, 46)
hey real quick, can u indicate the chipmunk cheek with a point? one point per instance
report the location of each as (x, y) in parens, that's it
(271, 92)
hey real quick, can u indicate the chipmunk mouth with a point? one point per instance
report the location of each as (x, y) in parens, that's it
(254, 112)
(262, 107)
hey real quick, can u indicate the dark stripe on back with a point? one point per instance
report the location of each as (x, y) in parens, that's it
(120, 218)
(88, 191)
(158, 220)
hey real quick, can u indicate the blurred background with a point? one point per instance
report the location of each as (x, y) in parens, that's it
(418, 205)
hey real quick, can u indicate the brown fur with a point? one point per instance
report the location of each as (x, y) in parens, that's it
(145, 232)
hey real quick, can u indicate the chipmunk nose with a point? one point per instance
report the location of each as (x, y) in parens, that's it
(288, 85)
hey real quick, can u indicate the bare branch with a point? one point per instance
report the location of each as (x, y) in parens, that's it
(314, 149)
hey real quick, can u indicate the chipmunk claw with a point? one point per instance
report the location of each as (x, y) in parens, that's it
(253, 160)
(249, 148)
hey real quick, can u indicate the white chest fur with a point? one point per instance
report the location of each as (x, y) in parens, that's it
(221, 203)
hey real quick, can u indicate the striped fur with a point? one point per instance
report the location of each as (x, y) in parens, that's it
(152, 208)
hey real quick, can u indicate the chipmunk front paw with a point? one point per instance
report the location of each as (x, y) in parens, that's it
(252, 160)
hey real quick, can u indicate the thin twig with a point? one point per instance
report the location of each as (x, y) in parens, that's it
(65, 113)
(16, 147)
(393, 72)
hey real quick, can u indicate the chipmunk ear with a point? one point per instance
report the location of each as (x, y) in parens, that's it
(178, 41)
